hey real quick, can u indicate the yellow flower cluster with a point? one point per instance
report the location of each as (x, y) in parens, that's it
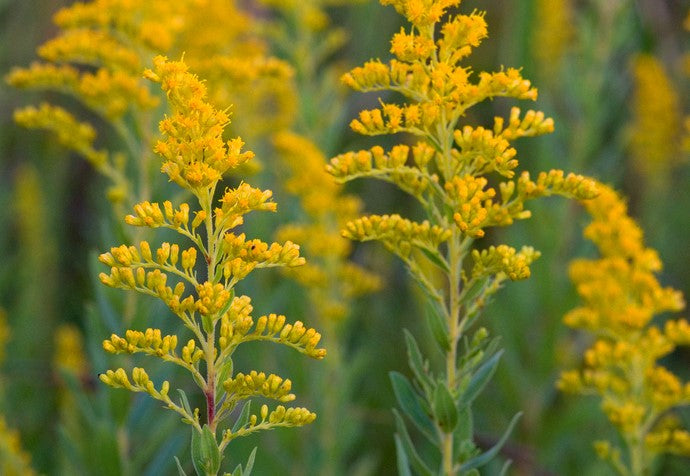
(330, 278)
(13, 459)
(655, 132)
(98, 57)
(220, 43)
(554, 33)
(69, 350)
(621, 296)
(463, 176)
(196, 157)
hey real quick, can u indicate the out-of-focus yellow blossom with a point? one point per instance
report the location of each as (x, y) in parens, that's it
(196, 157)
(462, 175)
(552, 33)
(655, 133)
(4, 333)
(13, 460)
(332, 280)
(221, 44)
(98, 58)
(69, 350)
(621, 296)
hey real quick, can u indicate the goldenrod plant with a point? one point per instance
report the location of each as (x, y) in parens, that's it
(621, 296)
(447, 171)
(196, 157)
(98, 57)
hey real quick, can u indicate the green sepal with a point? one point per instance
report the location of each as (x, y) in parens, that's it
(438, 326)
(435, 257)
(243, 418)
(180, 471)
(416, 361)
(444, 408)
(401, 457)
(411, 455)
(482, 459)
(413, 406)
(480, 378)
(205, 452)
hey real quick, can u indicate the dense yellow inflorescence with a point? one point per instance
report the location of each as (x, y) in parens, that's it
(655, 132)
(621, 297)
(464, 176)
(330, 278)
(197, 282)
(552, 33)
(99, 54)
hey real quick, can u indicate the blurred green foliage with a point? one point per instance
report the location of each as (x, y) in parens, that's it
(51, 206)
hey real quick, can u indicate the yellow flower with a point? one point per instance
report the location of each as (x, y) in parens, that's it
(196, 157)
(655, 132)
(621, 295)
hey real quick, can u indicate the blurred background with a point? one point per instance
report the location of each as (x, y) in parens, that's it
(614, 76)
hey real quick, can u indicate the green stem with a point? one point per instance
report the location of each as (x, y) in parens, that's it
(455, 255)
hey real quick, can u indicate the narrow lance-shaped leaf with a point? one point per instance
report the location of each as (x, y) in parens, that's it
(205, 452)
(243, 418)
(490, 454)
(444, 408)
(438, 326)
(413, 458)
(401, 457)
(416, 361)
(410, 402)
(480, 378)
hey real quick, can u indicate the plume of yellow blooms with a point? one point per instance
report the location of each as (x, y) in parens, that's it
(13, 460)
(195, 156)
(331, 279)
(447, 171)
(621, 295)
(98, 57)
(220, 42)
(655, 133)
(69, 350)
(551, 38)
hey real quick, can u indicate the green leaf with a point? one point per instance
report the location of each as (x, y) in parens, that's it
(444, 408)
(250, 463)
(224, 373)
(491, 453)
(403, 464)
(406, 443)
(480, 378)
(476, 287)
(463, 446)
(185, 402)
(416, 361)
(243, 418)
(180, 471)
(436, 258)
(205, 452)
(411, 404)
(438, 326)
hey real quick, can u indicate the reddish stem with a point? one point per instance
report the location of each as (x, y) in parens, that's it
(210, 407)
